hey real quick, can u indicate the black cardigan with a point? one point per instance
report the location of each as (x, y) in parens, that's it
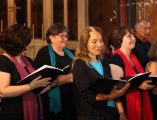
(85, 95)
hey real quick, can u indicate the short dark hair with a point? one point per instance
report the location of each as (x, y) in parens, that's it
(118, 35)
(55, 29)
(15, 38)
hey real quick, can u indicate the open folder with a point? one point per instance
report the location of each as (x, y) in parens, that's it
(44, 71)
(108, 83)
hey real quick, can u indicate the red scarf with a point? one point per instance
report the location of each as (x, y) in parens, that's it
(133, 98)
(30, 106)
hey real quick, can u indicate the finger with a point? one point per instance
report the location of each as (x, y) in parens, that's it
(115, 87)
(37, 78)
(47, 83)
(127, 85)
(47, 79)
(53, 84)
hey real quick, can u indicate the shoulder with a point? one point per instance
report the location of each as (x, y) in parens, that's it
(42, 57)
(80, 66)
(117, 66)
(5, 64)
(79, 62)
(42, 53)
(151, 64)
(117, 60)
(105, 63)
(43, 50)
(4, 59)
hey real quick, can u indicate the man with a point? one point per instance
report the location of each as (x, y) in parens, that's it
(142, 35)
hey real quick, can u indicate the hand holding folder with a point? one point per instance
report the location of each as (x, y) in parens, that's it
(108, 83)
(45, 71)
(153, 79)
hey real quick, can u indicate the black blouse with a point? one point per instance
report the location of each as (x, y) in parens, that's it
(66, 90)
(12, 108)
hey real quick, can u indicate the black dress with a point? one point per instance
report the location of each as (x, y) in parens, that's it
(12, 107)
(85, 95)
(66, 90)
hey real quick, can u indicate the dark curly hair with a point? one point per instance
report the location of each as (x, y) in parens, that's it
(55, 29)
(15, 38)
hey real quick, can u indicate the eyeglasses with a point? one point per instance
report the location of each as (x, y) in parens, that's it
(63, 36)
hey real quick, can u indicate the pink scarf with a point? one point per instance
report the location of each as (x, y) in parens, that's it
(30, 106)
(133, 98)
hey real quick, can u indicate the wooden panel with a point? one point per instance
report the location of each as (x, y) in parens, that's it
(21, 11)
(37, 16)
(3, 14)
(58, 11)
(100, 12)
(147, 10)
(72, 19)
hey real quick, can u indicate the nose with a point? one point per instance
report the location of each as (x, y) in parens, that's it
(133, 38)
(100, 44)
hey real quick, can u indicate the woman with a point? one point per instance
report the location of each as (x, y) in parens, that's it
(152, 67)
(92, 104)
(136, 103)
(18, 101)
(58, 102)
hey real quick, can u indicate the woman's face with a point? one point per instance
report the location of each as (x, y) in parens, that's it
(60, 40)
(95, 44)
(128, 41)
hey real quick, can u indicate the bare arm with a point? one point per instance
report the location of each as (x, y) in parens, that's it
(152, 67)
(6, 90)
(117, 72)
(113, 94)
(60, 80)
(120, 110)
(63, 79)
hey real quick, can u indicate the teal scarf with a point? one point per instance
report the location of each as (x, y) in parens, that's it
(54, 94)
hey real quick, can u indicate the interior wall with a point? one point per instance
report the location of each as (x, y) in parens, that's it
(100, 14)
(147, 9)
(3, 14)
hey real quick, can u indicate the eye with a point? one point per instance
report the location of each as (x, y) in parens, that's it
(94, 41)
(129, 35)
(101, 40)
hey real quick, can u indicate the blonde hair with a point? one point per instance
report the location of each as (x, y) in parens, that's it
(82, 50)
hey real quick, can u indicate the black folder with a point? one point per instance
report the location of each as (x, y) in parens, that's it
(44, 71)
(108, 83)
(153, 79)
